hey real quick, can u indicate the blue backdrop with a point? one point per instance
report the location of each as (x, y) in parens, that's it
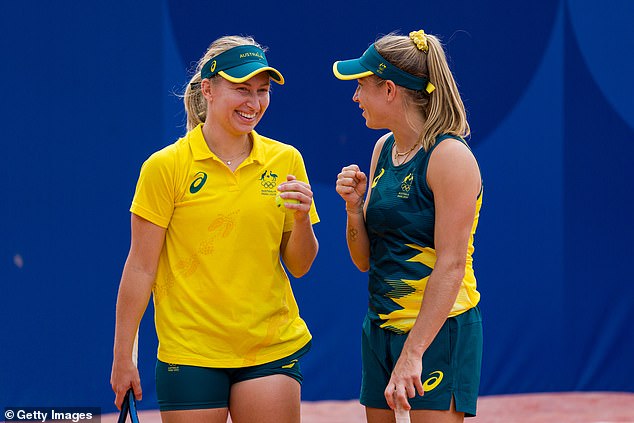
(89, 91)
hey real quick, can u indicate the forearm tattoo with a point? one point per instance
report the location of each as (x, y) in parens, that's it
(353, 233)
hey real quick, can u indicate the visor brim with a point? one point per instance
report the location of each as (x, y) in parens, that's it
(242, 73)
(350, 69)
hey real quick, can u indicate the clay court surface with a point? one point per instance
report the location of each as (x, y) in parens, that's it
(575, 407)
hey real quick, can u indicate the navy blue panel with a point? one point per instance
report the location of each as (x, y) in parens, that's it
(599, 231)
(607, 62)
(333, 301)
(79, 102)
(88, 93)
(490, 46)
(519, 243)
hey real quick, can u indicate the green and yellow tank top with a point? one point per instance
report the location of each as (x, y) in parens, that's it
(400, 223)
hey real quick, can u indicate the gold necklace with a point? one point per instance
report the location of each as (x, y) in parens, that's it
(406, 154)
(228, 161)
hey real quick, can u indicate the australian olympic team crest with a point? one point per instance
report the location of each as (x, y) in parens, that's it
(268, 180)
(406, 186)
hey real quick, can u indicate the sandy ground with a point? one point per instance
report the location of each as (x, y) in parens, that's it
(572, 407)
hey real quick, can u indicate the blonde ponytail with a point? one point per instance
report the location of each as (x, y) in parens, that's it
(446, 113)
(195, 103)
(442, 109)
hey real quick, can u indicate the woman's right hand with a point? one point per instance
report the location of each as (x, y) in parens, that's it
(124, 376)
(351, 186)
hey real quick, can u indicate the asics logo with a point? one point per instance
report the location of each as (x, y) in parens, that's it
(433, 381)
(289, 365)
(376, 180)
(201, 178)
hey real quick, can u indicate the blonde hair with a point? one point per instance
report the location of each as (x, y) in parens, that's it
(195, 103)
(443, 109)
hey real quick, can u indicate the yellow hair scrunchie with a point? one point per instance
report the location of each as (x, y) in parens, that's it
(420, 39)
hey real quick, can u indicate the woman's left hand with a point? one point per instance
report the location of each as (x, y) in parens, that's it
(405, 381)
(300, 191)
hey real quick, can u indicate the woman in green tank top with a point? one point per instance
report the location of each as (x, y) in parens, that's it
(411, 225)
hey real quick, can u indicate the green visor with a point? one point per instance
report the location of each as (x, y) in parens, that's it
(239, 64)
(372, 63)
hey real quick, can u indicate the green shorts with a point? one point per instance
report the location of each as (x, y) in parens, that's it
(181, 387)
(451, 364)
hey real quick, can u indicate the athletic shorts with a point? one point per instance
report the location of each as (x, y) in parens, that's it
(181, 387)
(451, 364)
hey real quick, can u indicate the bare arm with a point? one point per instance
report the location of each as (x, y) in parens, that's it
(351, 186)
(134, 293)
(454, 178)
(299, 246)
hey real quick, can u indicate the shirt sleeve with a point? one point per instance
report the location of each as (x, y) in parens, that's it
(154, 195)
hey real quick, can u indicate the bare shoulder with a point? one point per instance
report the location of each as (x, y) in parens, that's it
(452, 160)
(452, 152)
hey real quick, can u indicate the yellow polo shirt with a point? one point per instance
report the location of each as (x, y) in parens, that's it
(221, 295)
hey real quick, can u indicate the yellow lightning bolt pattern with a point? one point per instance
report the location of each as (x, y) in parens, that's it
(408, 293)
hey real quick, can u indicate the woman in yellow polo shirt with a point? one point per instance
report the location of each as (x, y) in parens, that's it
(214, 216)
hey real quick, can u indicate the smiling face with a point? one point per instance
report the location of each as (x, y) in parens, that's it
(370, 94)
(237, 108)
